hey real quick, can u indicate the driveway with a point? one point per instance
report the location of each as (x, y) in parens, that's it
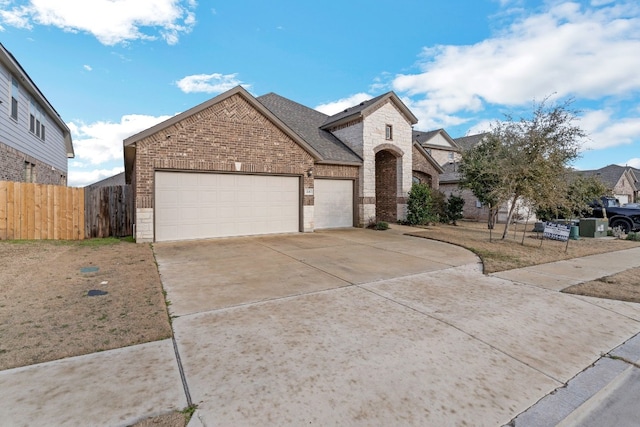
(371, 328)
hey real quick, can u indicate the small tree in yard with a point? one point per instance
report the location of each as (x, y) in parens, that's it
(418, 211)
(525, 159)
(455, 204)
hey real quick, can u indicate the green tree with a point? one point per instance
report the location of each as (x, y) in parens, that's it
(525, 159)
(455, 204)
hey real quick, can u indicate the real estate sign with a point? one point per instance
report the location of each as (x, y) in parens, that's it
(555, 231)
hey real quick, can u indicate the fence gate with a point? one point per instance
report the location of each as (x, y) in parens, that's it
(108, 211)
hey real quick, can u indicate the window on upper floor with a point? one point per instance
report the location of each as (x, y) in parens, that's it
(36, 120)
(15, 90)
(451, 156)
(388, 132)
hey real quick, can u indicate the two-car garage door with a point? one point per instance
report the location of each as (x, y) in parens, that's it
(203, 205)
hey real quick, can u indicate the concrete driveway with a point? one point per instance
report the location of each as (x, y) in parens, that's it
(371, 328)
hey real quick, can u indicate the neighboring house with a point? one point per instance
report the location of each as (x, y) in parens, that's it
(109, 182)
(622, 181)
(35, 143)
(241, 165)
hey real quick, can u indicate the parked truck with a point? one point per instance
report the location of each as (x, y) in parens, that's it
(628, 219)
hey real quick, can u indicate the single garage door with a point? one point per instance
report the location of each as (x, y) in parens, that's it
(333, 201)
(203, 205)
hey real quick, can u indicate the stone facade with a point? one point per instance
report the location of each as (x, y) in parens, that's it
(13, 167)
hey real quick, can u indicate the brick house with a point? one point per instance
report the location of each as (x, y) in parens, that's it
(241, 165)
(622, 181)
(35, 143)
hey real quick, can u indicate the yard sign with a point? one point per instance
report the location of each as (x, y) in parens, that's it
(555, 231)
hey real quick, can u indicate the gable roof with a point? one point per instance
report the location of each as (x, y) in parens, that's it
(130, 142)
(470, 141)
(609, 175)
(429, 158)
(366, 107)
(306, 123)
(423, 139)
(12, 64)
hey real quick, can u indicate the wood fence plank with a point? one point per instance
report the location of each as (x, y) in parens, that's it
(44, 212)
(30, 212)
(3, 210)
(11, 211)
(37, 214)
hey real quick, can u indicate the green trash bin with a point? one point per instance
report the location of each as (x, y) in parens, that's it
(574, 232)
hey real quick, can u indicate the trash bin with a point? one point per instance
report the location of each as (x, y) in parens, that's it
(574, 232)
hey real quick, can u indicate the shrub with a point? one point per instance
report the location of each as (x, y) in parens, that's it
(634, 236)
(381, 225)
(455, 204)
(418, 204)
(438, 207)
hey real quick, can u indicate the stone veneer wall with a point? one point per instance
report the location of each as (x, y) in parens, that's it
(230, 136)
(12, 168)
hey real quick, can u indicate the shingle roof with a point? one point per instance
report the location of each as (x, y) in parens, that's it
(609, 175)
(470, 141)
(306, 123)
(421, 136)
(357, 111)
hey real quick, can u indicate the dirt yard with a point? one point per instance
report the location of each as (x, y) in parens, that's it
(624, 286)
(499, 255)
(61, 299)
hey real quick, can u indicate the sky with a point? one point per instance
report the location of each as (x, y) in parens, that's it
(112, 68)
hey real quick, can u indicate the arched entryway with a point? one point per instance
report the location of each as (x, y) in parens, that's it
(386, 186)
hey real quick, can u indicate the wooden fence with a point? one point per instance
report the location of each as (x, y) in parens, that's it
(108, 211)
(37, 211)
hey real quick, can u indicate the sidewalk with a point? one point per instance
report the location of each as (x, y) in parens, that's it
(607, 392)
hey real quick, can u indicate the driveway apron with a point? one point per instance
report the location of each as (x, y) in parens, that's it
(371, 328)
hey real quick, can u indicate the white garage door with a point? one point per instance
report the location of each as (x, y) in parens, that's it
(201, 205)
(333, 201)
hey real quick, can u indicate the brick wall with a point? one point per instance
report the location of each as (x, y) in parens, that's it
(470, 209)
(12, 168)
(424, 170)
(230, 136)
(386, 186)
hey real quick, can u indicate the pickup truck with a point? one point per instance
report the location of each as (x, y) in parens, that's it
(628, 219)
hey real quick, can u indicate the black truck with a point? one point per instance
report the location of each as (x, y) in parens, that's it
(628, 219)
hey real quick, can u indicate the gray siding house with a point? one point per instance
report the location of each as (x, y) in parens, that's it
(35, 143)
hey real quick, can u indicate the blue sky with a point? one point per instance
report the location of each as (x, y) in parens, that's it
(112, 68)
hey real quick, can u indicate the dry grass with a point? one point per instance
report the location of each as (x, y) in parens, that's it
(624, 286)
(46, 312)
(500, 255)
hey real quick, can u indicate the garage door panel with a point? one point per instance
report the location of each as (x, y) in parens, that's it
(198, 205)
(333, 203)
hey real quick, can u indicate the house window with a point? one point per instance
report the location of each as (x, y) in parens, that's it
(15, 90)
(451, 156)
(388, 132)
(416, 180)
(36, 120)
(29, 172)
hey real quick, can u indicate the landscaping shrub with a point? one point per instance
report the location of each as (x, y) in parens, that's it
(418, 204)
(455, 204)
(634, 236)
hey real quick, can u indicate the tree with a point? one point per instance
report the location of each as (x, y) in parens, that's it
(454, 207)
(524, 159)
(580, 191)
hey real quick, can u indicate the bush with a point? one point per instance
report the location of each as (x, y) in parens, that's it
(634, 236)
(381, 225)
(438, 207)
(455, 204)
(418, 204)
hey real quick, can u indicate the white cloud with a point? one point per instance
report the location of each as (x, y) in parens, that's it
(100, 142)
(110, 21)
(209, 83)
(567, 50)
(334, 107)
(84, 178)
(87, 67)
(634, 163)
(606, 131)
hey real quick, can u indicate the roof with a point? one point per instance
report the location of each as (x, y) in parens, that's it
(108, 182)
(130, 142)
(306, 123)
(470, 141)
(15, 68)
(428, 156)
(423, 138)
(609, 175)
(365, 107)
